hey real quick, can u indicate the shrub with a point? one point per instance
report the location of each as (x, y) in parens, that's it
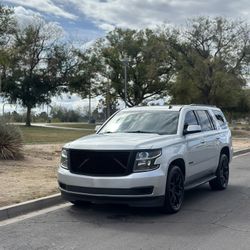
(65, 115)
(11, 142)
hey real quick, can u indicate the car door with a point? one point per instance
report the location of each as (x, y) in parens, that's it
(196, 148)
(210, 135)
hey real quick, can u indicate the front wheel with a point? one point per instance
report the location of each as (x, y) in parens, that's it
(174, 193)
(222, 174)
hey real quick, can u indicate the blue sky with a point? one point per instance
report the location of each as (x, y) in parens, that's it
(89, 19)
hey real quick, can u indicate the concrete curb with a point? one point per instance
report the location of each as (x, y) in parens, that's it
(242, 151)
(48, 201)
(29, 206)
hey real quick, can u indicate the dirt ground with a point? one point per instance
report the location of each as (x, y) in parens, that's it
(241, 143)
(31, 178)
(35, 176)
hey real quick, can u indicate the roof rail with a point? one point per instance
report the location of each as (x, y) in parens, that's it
(193, 104)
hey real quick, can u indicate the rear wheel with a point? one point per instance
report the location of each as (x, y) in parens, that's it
(174, 193)
(222, 174)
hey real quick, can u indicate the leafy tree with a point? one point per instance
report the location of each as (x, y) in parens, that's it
(85, 78)
(7, 28)
(212, 58)
(7, 24)
(66, 115)
(149, 66)
(39, 66)
(244, 102)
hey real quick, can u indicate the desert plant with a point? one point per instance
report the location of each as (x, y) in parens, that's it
(11, 142)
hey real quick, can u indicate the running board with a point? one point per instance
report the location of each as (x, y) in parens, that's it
(200, 182)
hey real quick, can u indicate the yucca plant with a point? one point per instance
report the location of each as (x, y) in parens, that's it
(11, 142)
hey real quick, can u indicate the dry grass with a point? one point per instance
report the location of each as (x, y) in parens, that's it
(241, 136)
(239, 143)
(33, 177)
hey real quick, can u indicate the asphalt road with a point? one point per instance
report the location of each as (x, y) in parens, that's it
(208, 220)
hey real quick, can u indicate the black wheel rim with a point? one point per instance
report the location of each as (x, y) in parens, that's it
(176, 190)
(224, 173)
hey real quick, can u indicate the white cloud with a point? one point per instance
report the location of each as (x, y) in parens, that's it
(150, 13)
(27, 17)
(107, 14)
(74, 102)
(46, 6)
(24, 16)
(106, 26)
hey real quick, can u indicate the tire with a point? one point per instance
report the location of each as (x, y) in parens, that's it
(174, 193)
(222, 174)
(79, 203)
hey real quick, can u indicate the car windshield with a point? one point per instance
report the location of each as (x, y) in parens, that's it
(155, 122)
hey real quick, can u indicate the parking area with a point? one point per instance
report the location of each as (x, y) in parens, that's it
(208, 220)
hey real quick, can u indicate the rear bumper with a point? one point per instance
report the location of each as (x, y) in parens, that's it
(152, 201)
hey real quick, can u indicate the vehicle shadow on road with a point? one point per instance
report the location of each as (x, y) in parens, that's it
(201, 199)
(204, 211)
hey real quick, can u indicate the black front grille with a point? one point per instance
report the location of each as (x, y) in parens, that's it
(101, 163)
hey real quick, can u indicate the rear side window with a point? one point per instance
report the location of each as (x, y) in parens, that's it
(205, 122)
(220, 118)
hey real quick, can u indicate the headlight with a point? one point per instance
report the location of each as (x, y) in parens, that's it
(64, 159)
(145, 160)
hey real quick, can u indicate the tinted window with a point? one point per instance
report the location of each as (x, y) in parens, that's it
(159, 122)
(220, 118)
(204, 120)
(211, 120)
(190, 119)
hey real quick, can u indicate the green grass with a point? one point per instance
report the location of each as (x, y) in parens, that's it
(74, 125)
(36, 135)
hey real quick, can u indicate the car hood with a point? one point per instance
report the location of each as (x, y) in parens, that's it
(121, 141)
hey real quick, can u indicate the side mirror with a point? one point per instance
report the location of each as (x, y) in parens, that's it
(97, 127)
(191, 129)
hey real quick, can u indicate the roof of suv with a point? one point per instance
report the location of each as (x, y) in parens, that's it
(171, 107)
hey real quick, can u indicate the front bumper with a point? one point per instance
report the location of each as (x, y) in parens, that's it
(154, 201)
(136, 189)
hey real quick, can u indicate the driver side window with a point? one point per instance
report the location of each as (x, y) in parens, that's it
(190, 119)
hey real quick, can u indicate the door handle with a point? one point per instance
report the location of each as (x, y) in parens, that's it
(203, 142)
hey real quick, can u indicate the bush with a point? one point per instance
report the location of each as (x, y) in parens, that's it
(11, 142)
(66, 115)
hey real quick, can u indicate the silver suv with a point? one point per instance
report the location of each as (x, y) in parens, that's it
(148, 156)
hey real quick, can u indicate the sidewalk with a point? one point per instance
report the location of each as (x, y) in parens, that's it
(48, 125)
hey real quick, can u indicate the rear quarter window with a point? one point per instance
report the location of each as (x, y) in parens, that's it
(220, 119)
